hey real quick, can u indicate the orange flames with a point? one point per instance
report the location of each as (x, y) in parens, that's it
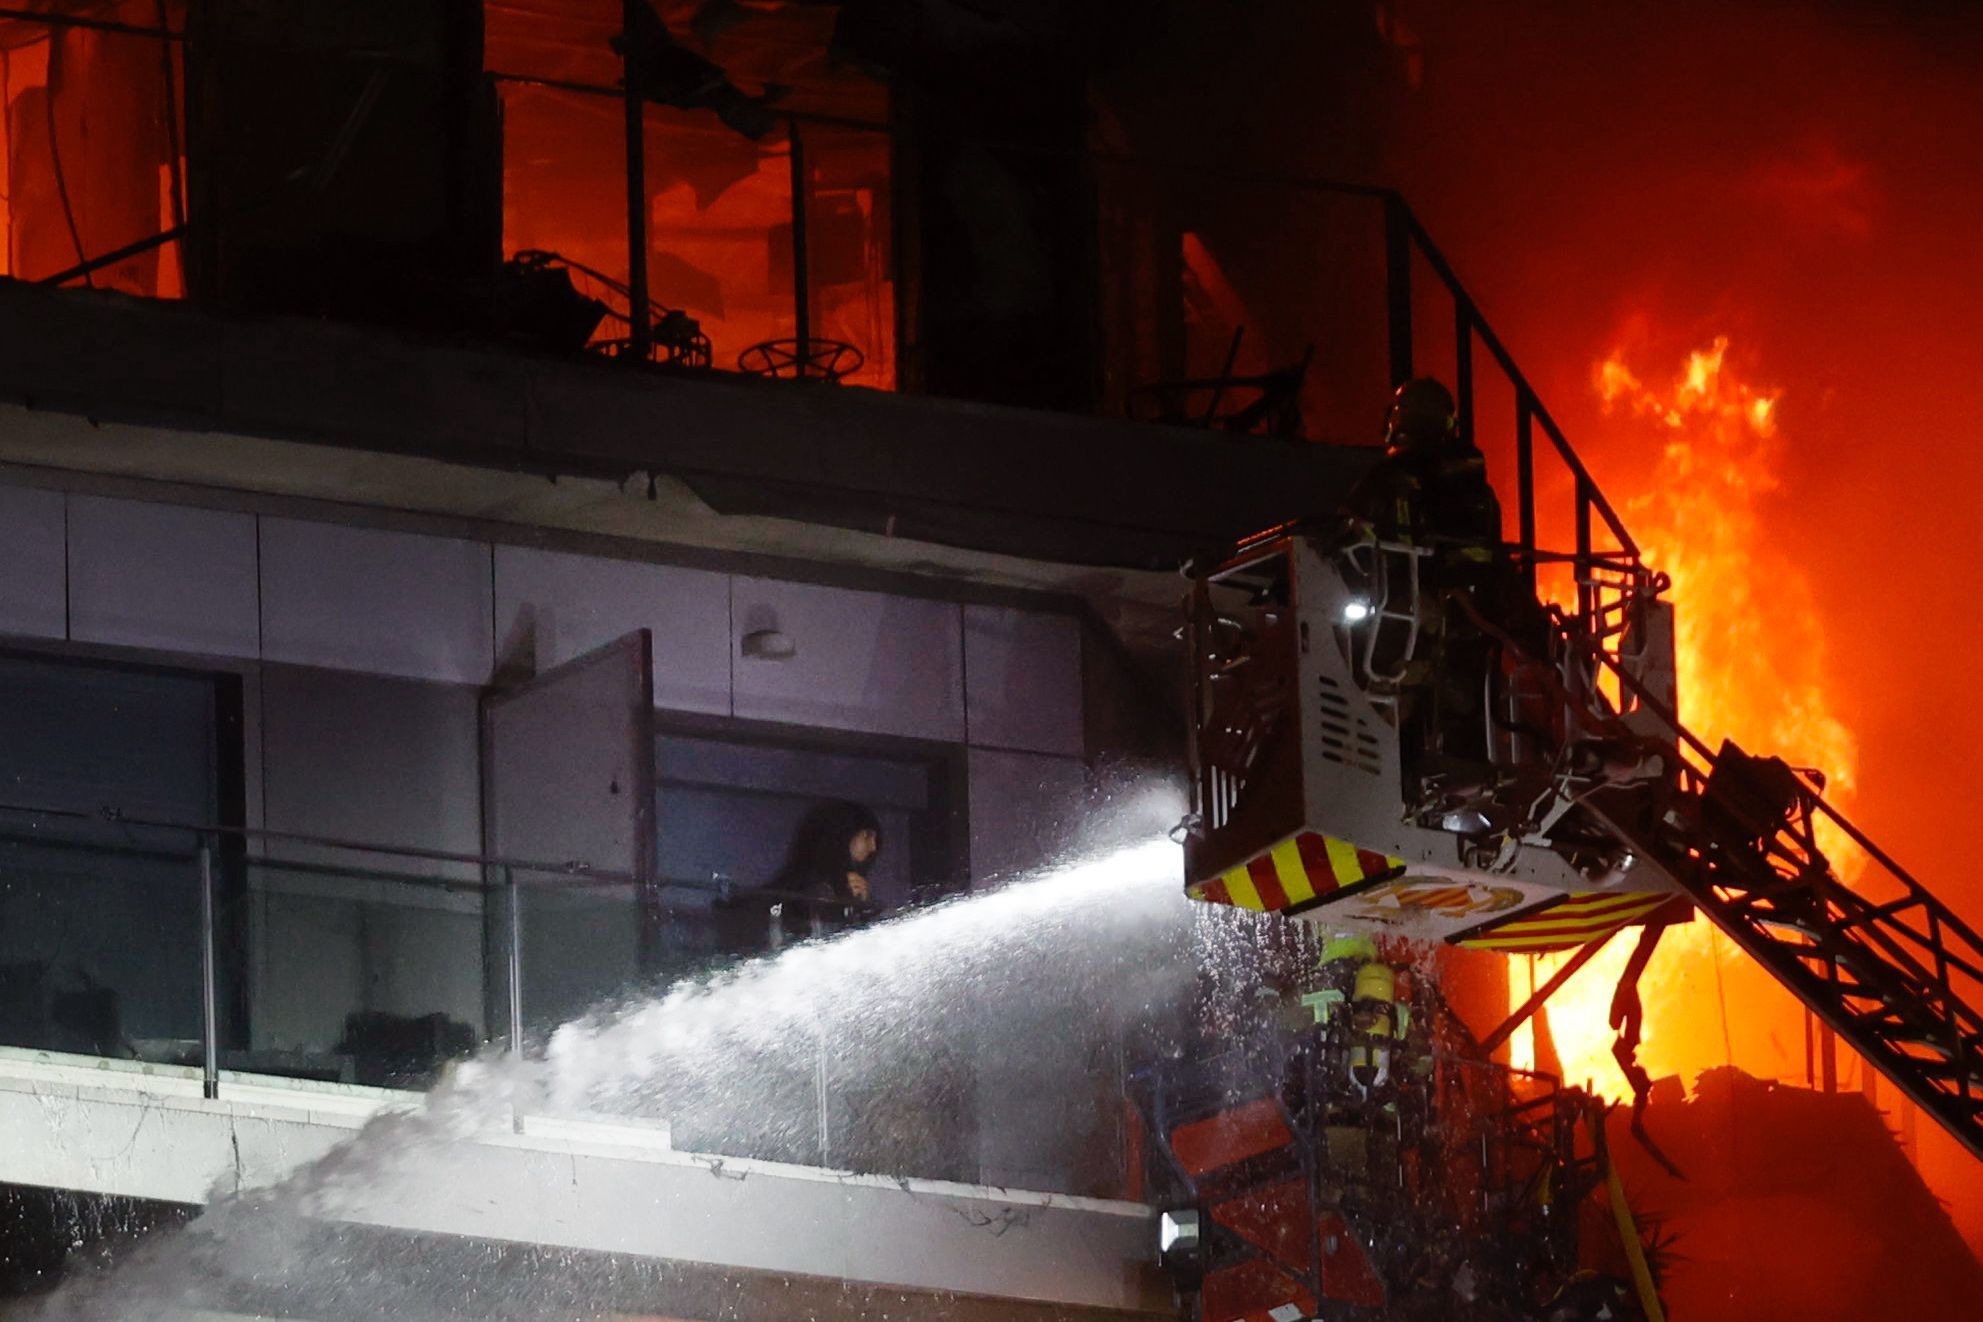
(1751, 660)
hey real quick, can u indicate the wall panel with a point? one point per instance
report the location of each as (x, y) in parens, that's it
(32, 587)
(861, 660)
(375, 760)
(552, 606)
(371, 759)
(172, 577)
(1025, 808)
(388, 603)
(1023, 679)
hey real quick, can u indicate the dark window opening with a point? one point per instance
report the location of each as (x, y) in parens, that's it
(100, 915)
(728, 808)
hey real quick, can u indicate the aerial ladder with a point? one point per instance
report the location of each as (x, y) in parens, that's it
(1371, 753)
(1374, 754)
(1509, 771)
(1502, 767)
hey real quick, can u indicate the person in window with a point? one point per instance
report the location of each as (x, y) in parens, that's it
(823, 885)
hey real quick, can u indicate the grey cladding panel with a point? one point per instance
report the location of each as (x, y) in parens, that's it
(1024, 811)
(166, 576)
(377, 760)
(32, 584)
(551, 607)
(570, 762)
(371, 758)
(1024, 679)
(859, 660)
(386, 602)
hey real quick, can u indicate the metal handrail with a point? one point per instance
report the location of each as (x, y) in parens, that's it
(1920, 962)
(572, 876)
(1916, 892)
(498, 875)
(114, 816)
(1470, 322)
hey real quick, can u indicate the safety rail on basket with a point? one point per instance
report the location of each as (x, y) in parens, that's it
(1608, 586)
(1387, 614)
(1243, 689)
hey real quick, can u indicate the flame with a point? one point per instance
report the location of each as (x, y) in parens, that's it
(1751, 662)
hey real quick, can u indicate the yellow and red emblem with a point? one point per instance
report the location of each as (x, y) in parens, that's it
(1301, 870)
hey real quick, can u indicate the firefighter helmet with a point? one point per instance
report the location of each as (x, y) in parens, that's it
(1376, 982)
(1347, 946)
(1422, 414)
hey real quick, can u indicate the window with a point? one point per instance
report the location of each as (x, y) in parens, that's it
(721, 214)
(99, 920)
(729, 809)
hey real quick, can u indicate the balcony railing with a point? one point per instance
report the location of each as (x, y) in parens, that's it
(248, 952)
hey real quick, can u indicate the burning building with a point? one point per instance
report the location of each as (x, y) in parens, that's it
(482, 482)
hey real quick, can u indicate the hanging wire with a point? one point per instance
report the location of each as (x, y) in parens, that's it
(55, 154)
(1721, 995)
(7, 144)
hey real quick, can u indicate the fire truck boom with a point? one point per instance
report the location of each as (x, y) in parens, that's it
(1371, 753)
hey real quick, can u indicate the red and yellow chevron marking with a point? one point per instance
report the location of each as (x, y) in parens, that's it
(1297, 871)
(1577, 921)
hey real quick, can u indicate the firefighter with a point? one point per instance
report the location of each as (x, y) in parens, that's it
(1357, 1007)
(1373, 1026)
(1431, 488)
(1360, 1072)
(1431, 492)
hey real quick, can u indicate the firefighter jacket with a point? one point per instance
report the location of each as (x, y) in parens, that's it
(1434, 496)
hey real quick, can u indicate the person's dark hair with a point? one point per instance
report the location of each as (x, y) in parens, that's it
(819, 852)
